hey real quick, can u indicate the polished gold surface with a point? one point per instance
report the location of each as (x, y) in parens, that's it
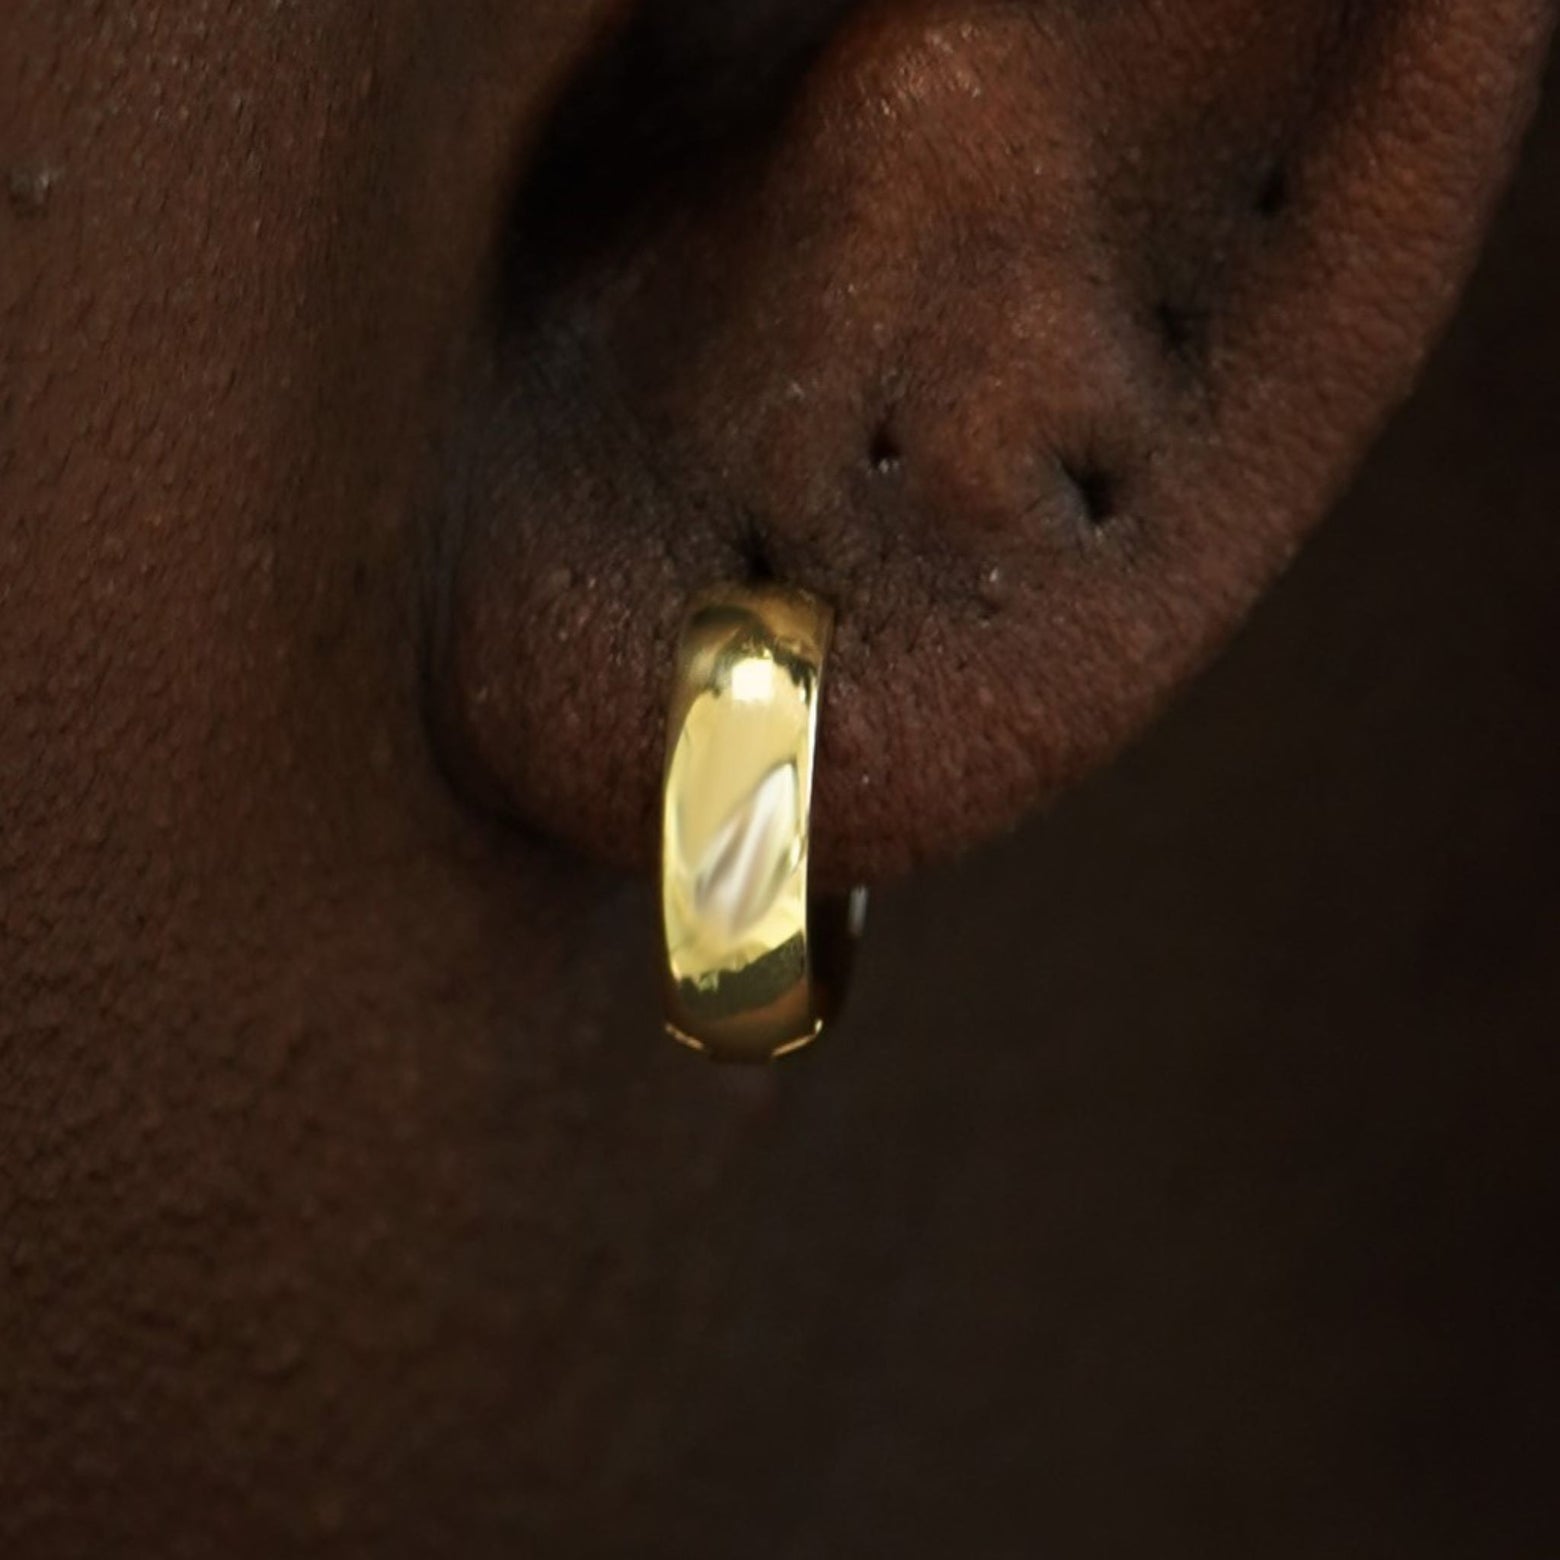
(754, 967)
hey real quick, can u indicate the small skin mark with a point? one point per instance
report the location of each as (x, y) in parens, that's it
(1273, 195)
(28, 189)
(994, 591)
(1180, 328)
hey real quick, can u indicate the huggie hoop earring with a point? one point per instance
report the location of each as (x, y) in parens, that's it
(754, 966)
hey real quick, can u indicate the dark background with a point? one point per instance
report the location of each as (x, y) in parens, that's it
(1194, 1171)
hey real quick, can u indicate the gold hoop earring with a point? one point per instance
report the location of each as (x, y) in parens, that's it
(754, 966)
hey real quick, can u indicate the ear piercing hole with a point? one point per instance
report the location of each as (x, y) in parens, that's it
(884, 453)
(758, 563)
(1097, 491)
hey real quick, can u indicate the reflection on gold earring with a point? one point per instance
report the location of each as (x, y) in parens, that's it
(754, 965)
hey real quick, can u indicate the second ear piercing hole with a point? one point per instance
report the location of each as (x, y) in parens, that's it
(884, 454)
(1097, 492)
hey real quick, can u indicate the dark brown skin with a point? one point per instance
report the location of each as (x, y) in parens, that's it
(376, 381)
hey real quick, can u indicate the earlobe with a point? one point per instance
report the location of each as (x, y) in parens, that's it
(1032, 338)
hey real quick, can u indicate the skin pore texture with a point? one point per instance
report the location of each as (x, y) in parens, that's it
(376, 382)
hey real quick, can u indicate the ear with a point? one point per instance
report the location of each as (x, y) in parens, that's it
(1034, 336)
